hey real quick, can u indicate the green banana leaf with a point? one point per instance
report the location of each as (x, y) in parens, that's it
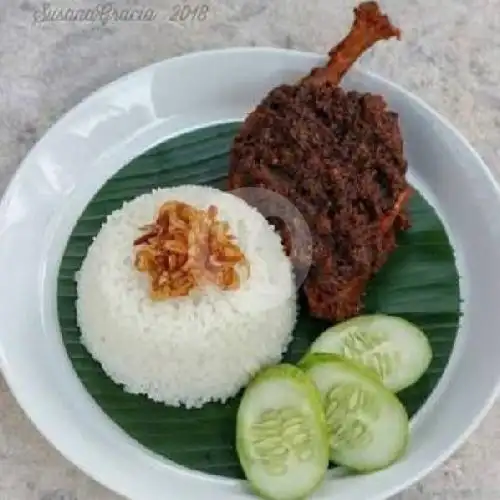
(419, 282)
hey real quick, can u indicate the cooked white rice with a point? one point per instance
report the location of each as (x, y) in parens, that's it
(190, 350)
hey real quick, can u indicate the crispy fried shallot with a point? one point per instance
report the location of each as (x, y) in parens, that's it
(185, 248)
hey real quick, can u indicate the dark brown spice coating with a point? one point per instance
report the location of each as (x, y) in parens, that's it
(338, 157)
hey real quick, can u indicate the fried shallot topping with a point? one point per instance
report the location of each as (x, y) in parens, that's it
(185, 248)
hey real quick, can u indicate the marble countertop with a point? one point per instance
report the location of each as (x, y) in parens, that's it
(449, 56)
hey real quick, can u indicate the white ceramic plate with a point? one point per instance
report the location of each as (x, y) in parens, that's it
(124, 119)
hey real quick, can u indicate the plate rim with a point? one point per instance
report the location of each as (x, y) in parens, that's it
(23, 171)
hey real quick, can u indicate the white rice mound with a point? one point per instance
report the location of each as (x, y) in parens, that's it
(190, 350)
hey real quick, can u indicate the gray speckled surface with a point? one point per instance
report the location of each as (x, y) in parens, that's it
(449, 57)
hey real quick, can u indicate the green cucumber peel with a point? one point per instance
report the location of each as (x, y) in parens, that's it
(282, 434)
(368, 425)
(397, 351)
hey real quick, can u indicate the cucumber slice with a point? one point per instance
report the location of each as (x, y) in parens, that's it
(368, 426)
(395, 349)
(281, 435)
